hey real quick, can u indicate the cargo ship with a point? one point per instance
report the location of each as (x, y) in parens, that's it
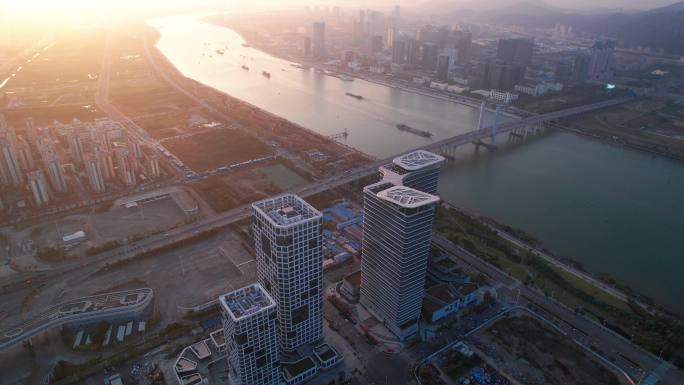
(266, 74)
(300, 66)
(359, 97)
(423, 133)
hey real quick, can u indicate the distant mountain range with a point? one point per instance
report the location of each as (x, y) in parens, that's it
(660, 28)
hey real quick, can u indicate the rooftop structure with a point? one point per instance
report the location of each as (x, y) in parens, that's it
(326, 355)
(418, 169)
(184, 365)
(417, 160)
(407, 197)
(184, 201)
(299, 371)
(201, 350)
(218, 340)
(244, 302)
(286, 210)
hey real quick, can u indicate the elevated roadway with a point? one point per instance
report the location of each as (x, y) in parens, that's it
(231, 216)
(116, 305)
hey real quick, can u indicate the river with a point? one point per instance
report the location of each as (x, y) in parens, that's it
(615, 211)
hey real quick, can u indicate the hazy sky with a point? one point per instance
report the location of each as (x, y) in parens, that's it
(142, 4)
(50, 10)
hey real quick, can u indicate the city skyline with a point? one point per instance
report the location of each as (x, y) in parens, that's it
(357, 193)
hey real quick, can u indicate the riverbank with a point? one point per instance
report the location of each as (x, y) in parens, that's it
(262, 123)
(570, 178)
(642, 324)
(470, 102)
(619, 142)
(459, 99)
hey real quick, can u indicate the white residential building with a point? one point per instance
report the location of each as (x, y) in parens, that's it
(39, 187)
(502, 96)
(94, 171)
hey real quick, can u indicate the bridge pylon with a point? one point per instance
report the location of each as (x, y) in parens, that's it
(492, 140)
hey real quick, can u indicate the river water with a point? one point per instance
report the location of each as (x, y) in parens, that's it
(615, 211)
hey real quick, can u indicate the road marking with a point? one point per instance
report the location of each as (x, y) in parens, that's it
(180, 258)
(244, 263)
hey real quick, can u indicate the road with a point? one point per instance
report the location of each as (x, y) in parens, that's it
(589, 333)
(237, 214)
(103, 103)
(240, 213)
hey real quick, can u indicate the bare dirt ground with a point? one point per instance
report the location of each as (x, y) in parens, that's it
(216, 148)
(532, 353)
(226, 192)
(121, 222)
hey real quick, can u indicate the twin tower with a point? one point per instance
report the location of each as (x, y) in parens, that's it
(283, 311)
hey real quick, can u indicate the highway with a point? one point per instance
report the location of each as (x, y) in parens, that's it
(586, 332)
(237, 214)
(231, 216)
(485, 132)
(85, 309)
(102, 99)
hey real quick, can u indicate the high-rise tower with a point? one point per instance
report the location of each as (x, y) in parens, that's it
(250, 329)
(39, 188)
(54, 168)
(287, 237)
(397, 232)
(94, 171)
(11, 170)
(418, 169)
(318, 40)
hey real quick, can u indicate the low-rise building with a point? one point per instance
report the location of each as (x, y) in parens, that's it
(113, 379)
(457, 89)
(444, 299)
(351, 284)
(441, 269)
(531, 88)
(327, 356)
(75, 239)
(503, 96)
(299, 371)
(439, 86)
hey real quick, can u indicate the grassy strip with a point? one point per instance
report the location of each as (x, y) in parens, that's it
(654, 332)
